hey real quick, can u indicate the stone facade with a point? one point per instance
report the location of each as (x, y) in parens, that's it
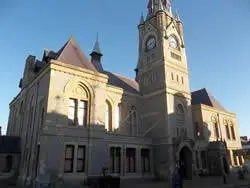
(74, 118)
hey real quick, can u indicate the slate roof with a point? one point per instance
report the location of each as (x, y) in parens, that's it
(203, 97)
(123, 82)
(10, 144)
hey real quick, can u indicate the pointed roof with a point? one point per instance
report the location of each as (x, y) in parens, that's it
(160, 5)
(71, 53)
(97, 48)
(203, 97)
(141, 19)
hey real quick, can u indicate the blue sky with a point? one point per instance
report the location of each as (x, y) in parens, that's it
(216, 35)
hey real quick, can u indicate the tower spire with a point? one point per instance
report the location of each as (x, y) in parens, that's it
(141, 19)
(97, 45)
(96, 55)
(159, 5)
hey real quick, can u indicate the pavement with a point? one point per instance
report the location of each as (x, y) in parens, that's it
(196, 182)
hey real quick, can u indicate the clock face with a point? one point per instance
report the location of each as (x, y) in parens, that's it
(151, 43)
(173, 42)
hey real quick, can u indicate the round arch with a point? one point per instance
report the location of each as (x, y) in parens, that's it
(82, 91)
(185, 160)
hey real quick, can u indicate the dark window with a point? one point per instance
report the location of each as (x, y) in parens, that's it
(115, 160)
(227, 132)
(216, 130)
(197, 159)
(172, 76)
(131, 160)
(81, 159)
(69, 158)
(233, 133)
(8, 163)
(235, 158)
(204, 159)
(145, 159)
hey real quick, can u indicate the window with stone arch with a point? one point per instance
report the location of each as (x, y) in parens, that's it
(231, 125)
(132, 120)
(180, 120)
(78, 105)
(108, 116)
(215, 128)
(225, 122)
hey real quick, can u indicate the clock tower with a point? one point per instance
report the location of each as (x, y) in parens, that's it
(162, 74)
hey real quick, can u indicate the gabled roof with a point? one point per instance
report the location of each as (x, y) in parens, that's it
(10, 144)
(203, 97)
(123, 82)
(71, 53)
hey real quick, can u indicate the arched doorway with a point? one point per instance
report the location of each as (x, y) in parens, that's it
(185, 163)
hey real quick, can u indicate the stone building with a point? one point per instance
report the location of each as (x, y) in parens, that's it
(246, 148)
(76, 118)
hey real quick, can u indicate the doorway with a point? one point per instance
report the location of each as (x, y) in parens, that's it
(186, 161)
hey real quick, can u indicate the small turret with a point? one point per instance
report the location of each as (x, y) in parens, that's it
(96, 56)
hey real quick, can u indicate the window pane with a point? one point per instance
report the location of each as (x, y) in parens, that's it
(72, 102)
(80, 165)
(69, 152)
(81, 152)
(82, 113)
(83, 104)
(68, 164)
(69, 158)
(71, 111)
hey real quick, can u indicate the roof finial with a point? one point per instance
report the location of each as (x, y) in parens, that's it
(97, 45)
(177, 16)
(141, 19)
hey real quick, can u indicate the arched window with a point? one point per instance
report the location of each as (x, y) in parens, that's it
(215, 128)
(227, 130)
(232, 130)
(118, 115)
(180, 120)
(108, 116)
(133, 121)
(78, 105)
(180, 109)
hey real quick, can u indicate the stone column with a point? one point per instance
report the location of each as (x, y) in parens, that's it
(238, 161)
(242, 159)
(231, 157)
